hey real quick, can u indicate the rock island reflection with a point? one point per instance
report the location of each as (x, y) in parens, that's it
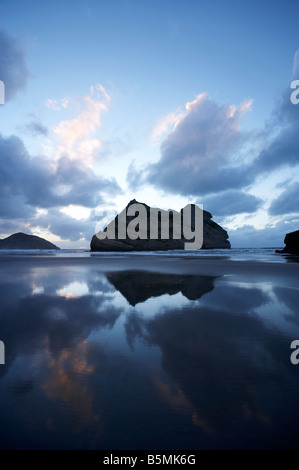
(136, 359)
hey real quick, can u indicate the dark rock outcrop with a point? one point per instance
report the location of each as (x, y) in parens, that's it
(23, 241)
(214, 236)
(291, 241)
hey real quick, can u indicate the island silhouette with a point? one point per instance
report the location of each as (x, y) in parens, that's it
(24, 241)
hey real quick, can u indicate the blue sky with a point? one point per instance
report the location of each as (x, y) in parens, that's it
(169, 102)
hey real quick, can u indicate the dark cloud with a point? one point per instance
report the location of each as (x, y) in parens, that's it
(28, 183)
(196, 157)
(208, 156)
(14, 162)
(199, 156)
(287, 202)
(283, 149)
(249, 236)
(37, 128)
(71, 182)
(135, 178)
(64, 226)
(9, 226)
(13, 67)
(231, 203)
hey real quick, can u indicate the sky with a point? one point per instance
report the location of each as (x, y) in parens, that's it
(167, 102)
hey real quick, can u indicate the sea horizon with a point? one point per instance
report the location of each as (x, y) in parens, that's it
(245, 253)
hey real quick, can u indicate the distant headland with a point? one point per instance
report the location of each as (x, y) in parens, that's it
(24, 241)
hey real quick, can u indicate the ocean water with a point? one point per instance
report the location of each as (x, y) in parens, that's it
(147, 351)
(258, 254)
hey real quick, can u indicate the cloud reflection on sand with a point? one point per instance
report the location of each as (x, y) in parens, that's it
(165, 356)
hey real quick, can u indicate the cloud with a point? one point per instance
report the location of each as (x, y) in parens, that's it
(37, 128)
(13, 161)
(248, 236)
(74, 136)
(9, 226)
(64, 226)
(28, 183)
(287, 202)
(62, 178)
(231, 202)
(57, 222)
(207, 155)
(283, 149)
(134, 177)
(164, 124)
(68, 182)
(207, 152)
(13, 67)
(57, 105)
(197, 156)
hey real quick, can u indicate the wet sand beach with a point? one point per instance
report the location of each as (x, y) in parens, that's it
(148, 352)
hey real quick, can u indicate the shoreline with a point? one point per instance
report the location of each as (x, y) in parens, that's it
(207, 265)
